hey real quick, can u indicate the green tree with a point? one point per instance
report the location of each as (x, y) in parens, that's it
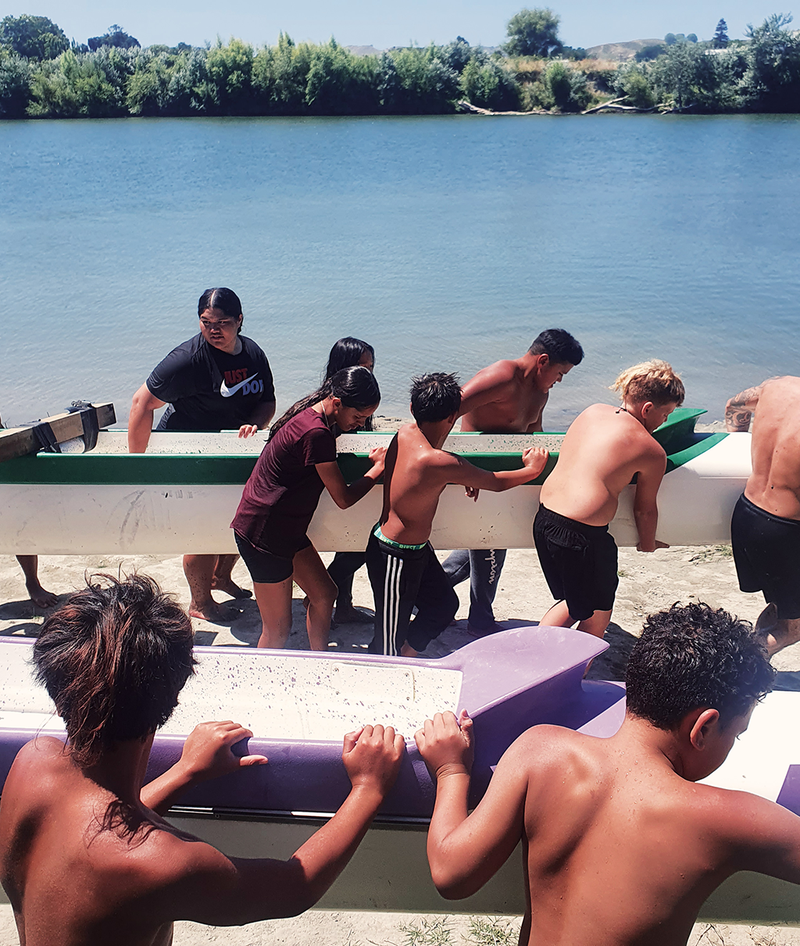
(720, 40)
(647, 53)
(771, 81)
(114, 36)
(230, 71)
(670, 39)
(533, 33)
(631, 81)
(34, 37)
(489, 85)
(15, 84)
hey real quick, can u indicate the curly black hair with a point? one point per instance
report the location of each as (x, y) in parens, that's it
(692, 656)
(435, 396)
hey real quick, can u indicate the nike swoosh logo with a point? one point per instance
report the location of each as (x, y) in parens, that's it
(225, 391)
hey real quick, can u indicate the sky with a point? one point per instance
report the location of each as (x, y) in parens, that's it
(383, 24)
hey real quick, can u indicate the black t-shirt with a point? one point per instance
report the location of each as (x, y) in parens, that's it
(208, 389)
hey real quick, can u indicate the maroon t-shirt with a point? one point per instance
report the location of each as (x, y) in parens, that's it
(284, 488)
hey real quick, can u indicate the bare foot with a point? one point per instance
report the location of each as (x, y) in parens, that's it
(214, 613)
(229, 587)
(42, 598)
(408, 651)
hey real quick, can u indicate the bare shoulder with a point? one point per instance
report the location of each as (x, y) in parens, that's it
(498, 373)
(38, 762)
(541, 746)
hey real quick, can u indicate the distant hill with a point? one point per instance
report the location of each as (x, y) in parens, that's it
(620, 51)
(363, 50)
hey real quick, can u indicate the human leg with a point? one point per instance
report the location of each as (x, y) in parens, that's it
(199, 572)
(222, 579)
(436, 602)
(311, 576)
(394, 575)
(274, 600)
(456, 566)
(342, 569)
(38, 595)
(486, 566)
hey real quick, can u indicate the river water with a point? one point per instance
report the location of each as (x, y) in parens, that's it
(446, 242)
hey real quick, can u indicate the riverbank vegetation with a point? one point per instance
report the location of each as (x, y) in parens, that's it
(43, 75)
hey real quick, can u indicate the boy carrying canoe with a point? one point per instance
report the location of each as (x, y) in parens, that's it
(605, 447)
(403, 568)
(765, 528)
(85, 856)
(622, 846)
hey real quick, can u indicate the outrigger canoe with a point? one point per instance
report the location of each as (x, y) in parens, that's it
(299, 705)
(181, 495)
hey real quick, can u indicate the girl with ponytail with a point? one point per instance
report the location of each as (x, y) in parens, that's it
(279, 499)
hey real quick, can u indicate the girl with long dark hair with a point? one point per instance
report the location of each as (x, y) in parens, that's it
(279, 499)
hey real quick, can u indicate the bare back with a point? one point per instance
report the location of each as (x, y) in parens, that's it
(508, 401)
(415, 474)
(603, 449)
(72, 879)
(620, 850)
(774, 484)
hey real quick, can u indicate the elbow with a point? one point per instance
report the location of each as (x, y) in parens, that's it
(453, 888)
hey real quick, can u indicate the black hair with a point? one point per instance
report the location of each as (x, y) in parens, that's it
(220, 298)
(692, 656)
(435, 396)
(559, 345)
(355, 387)
(346, 353)
(114, 659)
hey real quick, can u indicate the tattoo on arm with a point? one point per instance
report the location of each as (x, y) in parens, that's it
(739, 410)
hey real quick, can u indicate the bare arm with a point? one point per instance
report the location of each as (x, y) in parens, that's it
(259, 419)
(207, 753)
(739, 409)
(140, 421)
(343, 495)
(223, 891)
(765, 836)
(645, 507)
(465, 850)
(464, 473)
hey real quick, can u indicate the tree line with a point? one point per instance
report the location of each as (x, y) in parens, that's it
(43, 75)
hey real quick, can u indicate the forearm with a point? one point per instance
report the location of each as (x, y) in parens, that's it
(447, 859)
(326, 853)
(359, 488)
(140, 425)
(507, 479)
(646, 524)
(161, 794)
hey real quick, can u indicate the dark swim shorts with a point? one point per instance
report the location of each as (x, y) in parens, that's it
(766, 550)
(265, 568)
(579, 562)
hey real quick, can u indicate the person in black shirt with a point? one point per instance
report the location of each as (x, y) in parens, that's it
(218, 380)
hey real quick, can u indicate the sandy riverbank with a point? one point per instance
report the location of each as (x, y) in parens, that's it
(647, 583)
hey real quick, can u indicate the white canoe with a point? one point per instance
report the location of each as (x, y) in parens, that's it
(181, 495)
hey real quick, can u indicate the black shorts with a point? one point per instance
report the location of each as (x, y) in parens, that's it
(579, 562)
(766, 550)
(266, 568)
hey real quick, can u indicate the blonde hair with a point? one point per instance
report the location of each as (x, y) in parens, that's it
(650, 381)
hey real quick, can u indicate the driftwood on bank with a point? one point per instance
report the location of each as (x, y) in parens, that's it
(465, 106)
(615, 106)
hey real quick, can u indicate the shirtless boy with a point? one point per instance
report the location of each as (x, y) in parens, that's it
(508, 397)
(85, 856)
(765, 528)
(604, 448)
(622, 846)
(403, 568)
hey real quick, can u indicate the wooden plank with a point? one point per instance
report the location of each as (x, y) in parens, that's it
(20, 441)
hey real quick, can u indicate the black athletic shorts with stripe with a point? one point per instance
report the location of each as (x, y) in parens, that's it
(402, 579)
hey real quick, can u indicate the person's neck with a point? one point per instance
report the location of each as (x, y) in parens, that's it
(121, 770)
(649, 744)
(632, 408)
(435, 432)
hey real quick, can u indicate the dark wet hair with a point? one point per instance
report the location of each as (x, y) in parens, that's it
(347, 353)
(114, 659)
(220, 298)
(692, 656)
(435, 396)
(559, 345)
(355, 387)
